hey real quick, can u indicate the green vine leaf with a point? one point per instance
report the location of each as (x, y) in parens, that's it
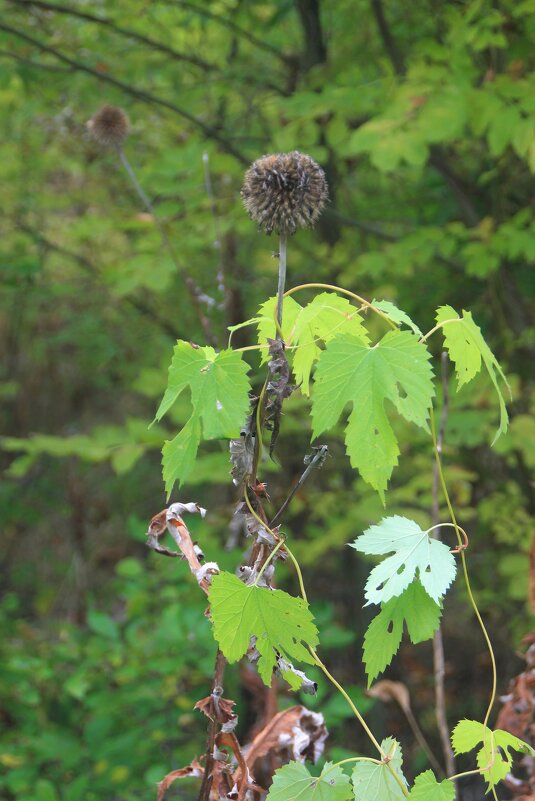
(179, 454)
(426, 788)
(322, 319)
(494, 758)
(220, 398)
(415, 554)
(304, 327)
(373, 782)
(467, 348)
(397, 315)
(414, 609)
(396, 369)
(280, 623)
(294, 782)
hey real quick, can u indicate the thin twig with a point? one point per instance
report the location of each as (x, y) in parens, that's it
(316, 461)
(128, 32)
(195, 293)
(438, 644)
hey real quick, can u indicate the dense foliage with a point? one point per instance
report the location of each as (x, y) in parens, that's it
(423, 118)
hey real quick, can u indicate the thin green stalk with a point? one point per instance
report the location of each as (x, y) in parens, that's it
(268, 560)
(283, 240)
(468, 585)
(440, 325)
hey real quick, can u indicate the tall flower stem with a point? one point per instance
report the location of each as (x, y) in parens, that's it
(282, 280)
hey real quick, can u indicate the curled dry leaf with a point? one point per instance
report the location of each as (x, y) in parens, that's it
(242, 453)
(278, 388)
(216, 708)
(295, 733)
(195, 769)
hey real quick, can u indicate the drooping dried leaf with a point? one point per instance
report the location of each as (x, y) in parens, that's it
(242, 453)
(194, 769)
(216, 708)
(387, 691)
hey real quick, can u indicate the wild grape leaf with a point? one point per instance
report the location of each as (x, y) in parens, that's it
(396, 369)
(293, 782)
(219, 388)
(374, 782)
(178, 454)
(426, 788)
(495, 748)
(415, 555)
(397, 315)
(322, 319)
(266, 326)
(415, 609)
(466, 348)
(280, 623)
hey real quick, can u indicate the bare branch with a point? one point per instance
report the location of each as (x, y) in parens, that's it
(128, 32)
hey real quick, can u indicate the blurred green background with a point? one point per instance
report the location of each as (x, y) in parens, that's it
(422, 115)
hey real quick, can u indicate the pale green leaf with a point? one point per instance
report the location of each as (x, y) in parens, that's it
(426, 788)
(321, 320)
(494, 758)
(266, 326)
(373, 782)
(219, 388)
(278, 621)
(415, 554)
(293, 782)
(184, 370)
(466, 348)
(397, 315)
(396, 369)
(178, 454)
(415, 609)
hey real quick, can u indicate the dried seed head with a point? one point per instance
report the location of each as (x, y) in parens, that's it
(109, 126)
(284, 191)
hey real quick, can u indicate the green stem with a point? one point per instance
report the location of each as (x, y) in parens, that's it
(440, 325)
(270, 557)
(283, 239)
(467, 582)
(342, 291)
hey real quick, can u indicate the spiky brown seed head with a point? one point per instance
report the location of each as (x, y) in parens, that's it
(109, 126)
(285, 191)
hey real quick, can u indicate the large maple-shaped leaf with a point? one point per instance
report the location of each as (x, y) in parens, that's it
(396, 369)
(373, 782)
(467, 349)
(219, 387)
(426, 788)
(415, 554)
(320, 321)
(293, 782)
(494, 757)
(280, 623)
(305, 327)
(414, 609)
(219, 396)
